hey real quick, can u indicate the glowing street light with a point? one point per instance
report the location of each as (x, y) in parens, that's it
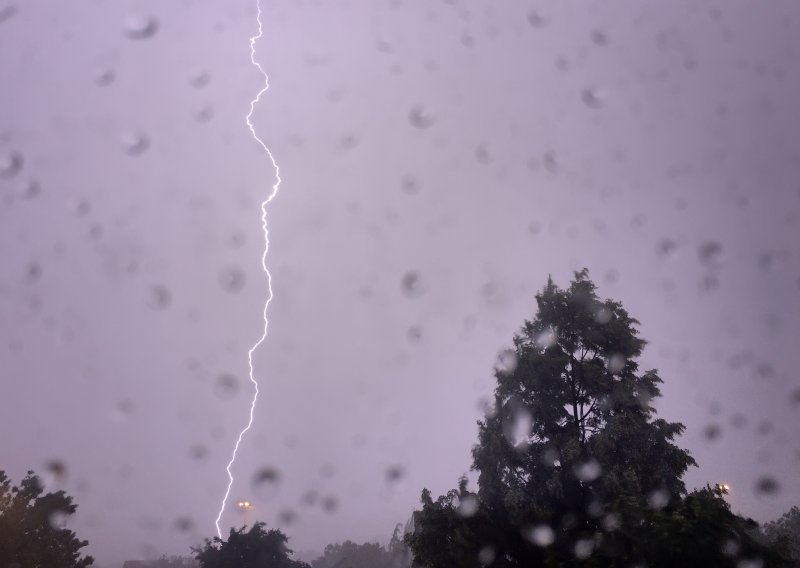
(723, 488)
(244, 505)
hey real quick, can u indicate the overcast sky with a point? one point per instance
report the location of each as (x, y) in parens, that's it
(472, 147)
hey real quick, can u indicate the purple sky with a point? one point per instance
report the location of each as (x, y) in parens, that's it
(479, 145)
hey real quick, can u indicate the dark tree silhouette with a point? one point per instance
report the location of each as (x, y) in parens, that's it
(31, 526)
(784, 534)
(574, 467)
(254, 548)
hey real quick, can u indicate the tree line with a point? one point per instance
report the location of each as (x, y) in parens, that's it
(574, 469)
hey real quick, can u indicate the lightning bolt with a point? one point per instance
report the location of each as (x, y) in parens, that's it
(263, 261)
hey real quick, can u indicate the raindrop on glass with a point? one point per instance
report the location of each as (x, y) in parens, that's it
(55, 471)
(159, 297)
(57, 521)
(204, 114)
(536, 20)
(10, 164)
(135, 143)
(232, 278)
(658, 499)
(409, 184)
(104, 77)
(395, 473)
(591, 98)
(712, 432)
(226, 385)
(419, 118)
(710, 253)
(583, 548)
(587, 471)
(184, 524)
(599, 38)
(540, 535)
(486, 555)
(330, 504)
(767, 485)
(507, 361)
(411, 284)
(7, 11)
(199, 80)
(140, 27)
(198, 451)
(468, 506)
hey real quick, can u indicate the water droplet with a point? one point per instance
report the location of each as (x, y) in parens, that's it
(545, 338)
(135, 143)
(184, 524)
(412, 285)
(588, 471)
(599, 38)
(482, 154)
(550, 162)
(507, 361)
(486, 555)
(591, 97)
(58, 519)
(611, 522)
(419, 118)
(198, 451)
(330, 504)
(602, 315)
(468, 506)
(536, 20)
(232, 279)
(327, 470)
(710, 253)
(33, 273)
(31, 189)
(104, 77)
(204, 114)
(410, 184)
(730, 547)
(55, 471)
(395, 473)
(287, 517)
(658, 499)
(540, 535)
(616, 363)
(667, 248)
(140, 27)
(414, 333)
(583, 548)
(750, 563)
(159, 297)
(767, 485)
(712, 432)
(226, 385)
(199, 80)
(310, 497)
(487, 406)
(10, 164)
(517, 427)
(266, 475)
(7, 11)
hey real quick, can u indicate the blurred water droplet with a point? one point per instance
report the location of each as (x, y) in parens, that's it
(540, 535)
(667, 248)
(767, 485)
(550, 162)
(750, 563)
(658, 499)
(616, 363)
(226, 385)
(599, 38)
(184, 524)
(204, 114)
(266, 475)
(327, 470)
(468, 506)
(198, 451)
(10, 164)
(232, 279)
(710, 253)
(587, 471)
(507, 361)
(712, 432)
(482, 154)
(140, 27)
(486, 555)
(517, 427)
(395, 473)
(135, 143)
(58, 519)
(104, 77)
(545, 338)
(31, 189)
(487, 406)
(419, 118)
(287, 517)
(536, 20)
(55, 471)
(159, 297)
(199, 80)
(414, 333)
(412, 285)
(611, 522)
(33, 273)
(602, 315)
(7, 11)
(330, 504)
(310, 497)
(730, 547)
(410, 184)
(583, 548)
(591, 97)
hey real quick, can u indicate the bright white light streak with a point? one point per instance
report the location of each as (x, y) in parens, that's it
(263, 262)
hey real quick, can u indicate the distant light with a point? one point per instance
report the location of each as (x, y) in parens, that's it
(724, 488)
(244, 505)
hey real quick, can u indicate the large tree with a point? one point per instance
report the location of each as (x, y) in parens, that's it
(784, 534)
(253, 548)
(32, 531)
(574, 467)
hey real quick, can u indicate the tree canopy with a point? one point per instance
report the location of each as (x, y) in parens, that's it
(253, 548)
(574, 467)
(32, 531)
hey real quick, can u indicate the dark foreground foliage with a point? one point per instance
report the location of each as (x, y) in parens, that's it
(575, 469)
